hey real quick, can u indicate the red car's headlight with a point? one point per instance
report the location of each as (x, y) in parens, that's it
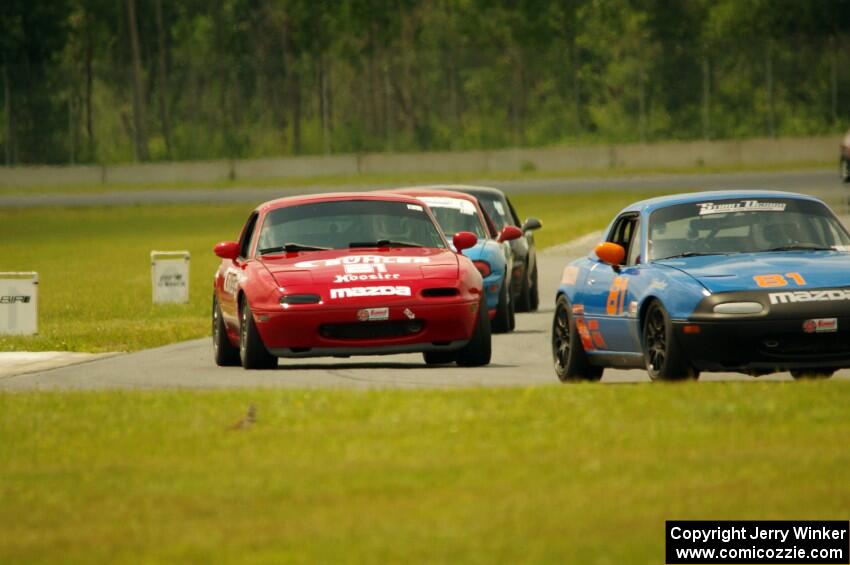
(300, 299)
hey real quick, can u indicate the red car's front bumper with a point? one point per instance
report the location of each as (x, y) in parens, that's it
(318, 331)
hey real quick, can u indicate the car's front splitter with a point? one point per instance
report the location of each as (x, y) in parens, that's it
(309, 331)
(765, 345)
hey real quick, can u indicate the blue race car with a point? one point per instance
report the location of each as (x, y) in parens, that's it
(492, 255)
(748, 281)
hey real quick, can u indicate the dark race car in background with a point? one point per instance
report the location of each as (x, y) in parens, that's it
(347, 274)
(499, 208)
(749, 281)
(844, 160)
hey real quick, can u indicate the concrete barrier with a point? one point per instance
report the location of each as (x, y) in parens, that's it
(296, 167)
(748, 152)
(51, 175)
(189, 171)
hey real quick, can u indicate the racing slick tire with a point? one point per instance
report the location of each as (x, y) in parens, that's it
(439, 357)
(801, 374)
(570, 359)
(534, 292)
(505, 320)
(478, 351)
(524, 300)
(665, 358)
(845, 170)
(225, 354)
(252, 351)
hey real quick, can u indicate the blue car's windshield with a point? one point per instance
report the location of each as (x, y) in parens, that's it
(744, 226)
(454, 215)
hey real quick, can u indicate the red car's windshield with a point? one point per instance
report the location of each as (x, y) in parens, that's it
(352, 223)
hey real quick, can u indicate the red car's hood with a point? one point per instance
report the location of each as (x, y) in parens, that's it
(357, 267)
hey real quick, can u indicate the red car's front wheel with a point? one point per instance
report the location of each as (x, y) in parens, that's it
(252, 350)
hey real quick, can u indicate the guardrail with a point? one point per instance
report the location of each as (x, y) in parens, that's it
(745, 152)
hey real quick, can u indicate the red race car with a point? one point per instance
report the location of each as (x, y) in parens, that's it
(347, 274)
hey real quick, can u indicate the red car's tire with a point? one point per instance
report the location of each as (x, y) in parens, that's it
(252, 350)
(226, 355)
(439, 357)
(478, 351)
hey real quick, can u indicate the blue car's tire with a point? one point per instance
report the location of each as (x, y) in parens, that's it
(571, 363)
(665, 359)
(505, 320)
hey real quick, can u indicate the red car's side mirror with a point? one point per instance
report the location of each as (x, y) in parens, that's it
(227, 249)
(510, 232)
(610, 253)
(464, 240)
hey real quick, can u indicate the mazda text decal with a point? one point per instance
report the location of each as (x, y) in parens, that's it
(363, 259)
(740, 206)
(359, 291)
(809, 296)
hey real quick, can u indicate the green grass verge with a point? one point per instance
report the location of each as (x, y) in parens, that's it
(401, 179)
(560, 474)
(95, 287)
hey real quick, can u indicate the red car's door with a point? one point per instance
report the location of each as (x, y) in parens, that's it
(234, 272)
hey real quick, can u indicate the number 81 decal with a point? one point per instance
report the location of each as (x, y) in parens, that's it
(770, 281)
(617, 296)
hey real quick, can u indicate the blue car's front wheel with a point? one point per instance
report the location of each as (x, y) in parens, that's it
(665, 359)
(571, 363)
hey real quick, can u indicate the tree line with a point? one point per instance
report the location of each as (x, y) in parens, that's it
(102, 81)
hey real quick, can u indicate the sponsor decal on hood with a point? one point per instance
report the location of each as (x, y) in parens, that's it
(364, 259)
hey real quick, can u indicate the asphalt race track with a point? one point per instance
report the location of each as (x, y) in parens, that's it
(520, 358)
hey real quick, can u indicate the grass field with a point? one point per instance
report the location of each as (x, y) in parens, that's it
(95, 287)
(399, 179)
(579, 474)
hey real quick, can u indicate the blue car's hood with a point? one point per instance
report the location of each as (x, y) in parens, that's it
(480, 250)
(724, 273)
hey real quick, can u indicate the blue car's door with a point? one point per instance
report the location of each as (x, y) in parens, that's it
(608, 293)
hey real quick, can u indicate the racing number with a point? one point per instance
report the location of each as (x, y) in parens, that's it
(617, 296)
(779, 280)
